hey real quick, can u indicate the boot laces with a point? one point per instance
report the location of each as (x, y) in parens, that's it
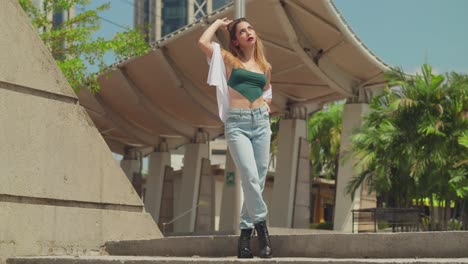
(245, 243)
(245, 240)
(264, 236)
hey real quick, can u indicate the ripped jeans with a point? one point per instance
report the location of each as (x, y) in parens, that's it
(248, 135)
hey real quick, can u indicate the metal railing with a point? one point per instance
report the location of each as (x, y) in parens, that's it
(398, 219)
(164, 224)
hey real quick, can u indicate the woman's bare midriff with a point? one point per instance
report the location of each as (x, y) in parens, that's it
(236, 100)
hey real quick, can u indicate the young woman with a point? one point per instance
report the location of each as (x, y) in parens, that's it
(242, 78)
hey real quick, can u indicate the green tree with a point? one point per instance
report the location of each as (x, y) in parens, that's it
(413, 142)
(71, 42)
(324, 135)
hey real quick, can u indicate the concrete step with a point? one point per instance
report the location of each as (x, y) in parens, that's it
(229, 260)
(375, 245)
(272, 231)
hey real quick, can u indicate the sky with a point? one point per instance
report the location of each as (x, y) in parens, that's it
(404, 33)
(408, 33)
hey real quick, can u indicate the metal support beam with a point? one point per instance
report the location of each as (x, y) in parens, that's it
(206, 103)
(239, 7)
(122, 123)
(316, 16)
(298, 46)
(290, 69)
(322, 99)
(291, 97)
(269, 41)
(158, 114)
(300, 85)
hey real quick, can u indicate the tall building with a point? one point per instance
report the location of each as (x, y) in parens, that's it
(158, 18)
(57, 18)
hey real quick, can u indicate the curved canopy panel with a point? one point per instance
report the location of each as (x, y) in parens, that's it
(163, 96)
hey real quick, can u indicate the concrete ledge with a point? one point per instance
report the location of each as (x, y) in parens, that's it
(173, 260)
(32, 230)
(392, 245)
(55, 152)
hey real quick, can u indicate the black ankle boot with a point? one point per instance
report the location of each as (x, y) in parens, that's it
(243, 248)
(264, 243)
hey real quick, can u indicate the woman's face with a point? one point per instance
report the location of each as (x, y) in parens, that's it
(245, 35)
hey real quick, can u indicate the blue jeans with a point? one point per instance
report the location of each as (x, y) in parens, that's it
(248, 134)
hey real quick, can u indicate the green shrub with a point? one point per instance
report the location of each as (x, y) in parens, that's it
(322, 226)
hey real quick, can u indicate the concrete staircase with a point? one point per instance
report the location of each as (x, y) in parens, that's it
(230, 260)
(433, 247)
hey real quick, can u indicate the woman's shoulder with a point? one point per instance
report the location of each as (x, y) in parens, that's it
(229, 59)
(226, 54)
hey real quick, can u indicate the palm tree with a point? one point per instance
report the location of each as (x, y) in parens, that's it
(324, 135)
(412, 142)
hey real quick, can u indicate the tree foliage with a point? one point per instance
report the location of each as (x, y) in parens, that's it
(324, 134)
(414, 141)
(72, 43)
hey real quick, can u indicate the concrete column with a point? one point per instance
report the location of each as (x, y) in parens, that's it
(232, 198)
(177, 187)
(130, 164)
(301, 215)
(155, 180)
(291, 131)
(166, 212)
(219, 186)
(190, 184)
(205, 219)
(352, 118)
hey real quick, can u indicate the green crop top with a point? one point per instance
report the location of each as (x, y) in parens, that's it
(248, 83)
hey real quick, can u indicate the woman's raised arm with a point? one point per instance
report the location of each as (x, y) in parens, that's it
(205, 40)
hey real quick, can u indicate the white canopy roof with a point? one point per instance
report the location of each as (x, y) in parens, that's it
(163, 96)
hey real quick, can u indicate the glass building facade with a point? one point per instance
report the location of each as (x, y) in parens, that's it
(158, 18)
(174, 15)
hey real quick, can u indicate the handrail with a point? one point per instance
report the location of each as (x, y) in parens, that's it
(177, 218)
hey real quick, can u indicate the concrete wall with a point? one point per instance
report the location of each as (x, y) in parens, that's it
(62, 192)
(31, 229)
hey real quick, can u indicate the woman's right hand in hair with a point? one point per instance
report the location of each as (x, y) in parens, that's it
(223, 22)
(205, 40)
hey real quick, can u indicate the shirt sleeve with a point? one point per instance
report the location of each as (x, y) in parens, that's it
(268, 93)
(215, 73)
(217, 77)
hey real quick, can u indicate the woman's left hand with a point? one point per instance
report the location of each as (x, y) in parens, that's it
(268, 107)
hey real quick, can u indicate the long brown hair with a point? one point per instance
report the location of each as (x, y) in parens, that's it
(236, 52)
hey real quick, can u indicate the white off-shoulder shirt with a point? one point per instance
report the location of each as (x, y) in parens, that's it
(217, 77)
